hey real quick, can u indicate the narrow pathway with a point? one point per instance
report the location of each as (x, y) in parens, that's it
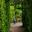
(16, 27)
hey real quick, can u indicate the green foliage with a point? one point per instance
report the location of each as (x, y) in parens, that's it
(27, 15)
(17, 11)
(19, 6)
(12, 12)
(8, 11)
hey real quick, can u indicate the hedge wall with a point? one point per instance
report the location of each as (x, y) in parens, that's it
(27, 15)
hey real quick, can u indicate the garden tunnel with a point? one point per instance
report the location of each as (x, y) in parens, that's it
(25, 7)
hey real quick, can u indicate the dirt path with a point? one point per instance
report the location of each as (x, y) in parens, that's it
(16, 27)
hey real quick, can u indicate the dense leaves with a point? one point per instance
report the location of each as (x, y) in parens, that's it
(7, 12)
(27, 19)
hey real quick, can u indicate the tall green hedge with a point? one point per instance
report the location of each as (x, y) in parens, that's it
(4, 15)
(27, 15)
